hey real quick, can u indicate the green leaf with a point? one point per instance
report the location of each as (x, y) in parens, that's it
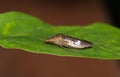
(21, 31)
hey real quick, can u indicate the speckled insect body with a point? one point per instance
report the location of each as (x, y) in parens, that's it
(68, 41)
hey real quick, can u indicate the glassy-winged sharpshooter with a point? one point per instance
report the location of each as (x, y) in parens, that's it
(68, 41)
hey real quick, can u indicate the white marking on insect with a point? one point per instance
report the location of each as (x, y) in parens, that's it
(73, 44)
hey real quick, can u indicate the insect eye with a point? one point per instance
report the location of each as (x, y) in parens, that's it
(46, 40)
(49, 40)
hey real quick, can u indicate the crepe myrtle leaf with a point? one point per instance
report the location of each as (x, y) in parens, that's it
(22, 31)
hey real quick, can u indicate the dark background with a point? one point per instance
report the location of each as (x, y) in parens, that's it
(113, 8)
(18, 63)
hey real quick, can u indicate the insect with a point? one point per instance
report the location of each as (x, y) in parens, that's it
(68, 41)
